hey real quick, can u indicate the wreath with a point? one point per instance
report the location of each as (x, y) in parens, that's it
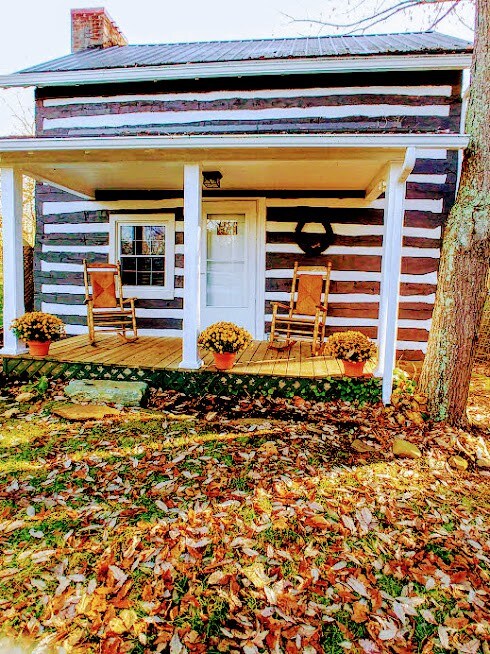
(314, 244)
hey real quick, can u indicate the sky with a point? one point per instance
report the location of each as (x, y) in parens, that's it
(34, 31)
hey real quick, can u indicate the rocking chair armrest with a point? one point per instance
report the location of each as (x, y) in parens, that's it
(280, 304)
(129, 300)
(322, 307)
(88, 299)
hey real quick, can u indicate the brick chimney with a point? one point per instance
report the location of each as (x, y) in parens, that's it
(94, 28)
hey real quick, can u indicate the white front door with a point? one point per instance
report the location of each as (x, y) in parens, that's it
(228, 267)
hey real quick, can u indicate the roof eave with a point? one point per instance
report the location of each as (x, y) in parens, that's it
(345, 64)
(30, 145)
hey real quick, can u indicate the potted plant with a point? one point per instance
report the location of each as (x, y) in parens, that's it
(38, 330)
(224, 340)
(353, 348)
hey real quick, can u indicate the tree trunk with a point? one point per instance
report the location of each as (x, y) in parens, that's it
(465, 255)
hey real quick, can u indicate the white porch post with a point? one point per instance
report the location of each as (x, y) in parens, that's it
(192, 266)
(391, 269)
(13, 262)
(384, 286)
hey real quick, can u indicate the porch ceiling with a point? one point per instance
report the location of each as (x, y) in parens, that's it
(87, 177)
(276, 162)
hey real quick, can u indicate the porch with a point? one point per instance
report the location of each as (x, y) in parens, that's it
(156, 360)
(279, 174)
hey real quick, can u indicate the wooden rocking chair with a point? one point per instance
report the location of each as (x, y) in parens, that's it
(306, 311)
(106, 308)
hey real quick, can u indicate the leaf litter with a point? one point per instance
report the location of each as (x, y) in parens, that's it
(243, 526)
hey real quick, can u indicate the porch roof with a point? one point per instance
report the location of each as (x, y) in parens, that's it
(354, 165)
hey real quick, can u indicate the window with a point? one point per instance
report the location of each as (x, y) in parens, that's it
(145, 246)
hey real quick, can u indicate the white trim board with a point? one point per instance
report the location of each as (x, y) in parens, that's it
(293, 248)
(353, 298)
(100, 249)
(185, 117)
(92, 228)
(50, 208)
(81, 310)
(352, 229)
(76, 228)
(73, 289)
(75, 330)
(210, 96)
(358, 276)
(339, 321)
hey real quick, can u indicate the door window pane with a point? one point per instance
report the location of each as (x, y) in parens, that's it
(226, 282)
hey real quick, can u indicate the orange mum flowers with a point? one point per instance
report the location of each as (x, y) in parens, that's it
(350, 346)
(38, 326)
(224, 337)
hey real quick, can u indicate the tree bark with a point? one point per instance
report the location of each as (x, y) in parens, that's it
(465, 255)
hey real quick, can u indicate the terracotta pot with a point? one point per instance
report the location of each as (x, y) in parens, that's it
(38, 348)
(224, 360)
(353, 368)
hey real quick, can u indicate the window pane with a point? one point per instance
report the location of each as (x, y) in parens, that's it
(144, 264)
(158, 279)
(143, 279)
(158, 264)
(128, 264)
(128, 270)
(155, 237)
(127, 239)
(146, 244)
(225, 238)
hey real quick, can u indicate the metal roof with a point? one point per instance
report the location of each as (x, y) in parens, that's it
(131, 56)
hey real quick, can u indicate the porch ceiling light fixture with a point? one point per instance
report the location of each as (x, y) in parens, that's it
(211, 178)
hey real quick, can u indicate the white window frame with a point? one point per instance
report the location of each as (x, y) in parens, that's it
(166, 292)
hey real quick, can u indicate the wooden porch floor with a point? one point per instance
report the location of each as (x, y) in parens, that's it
(166, 354)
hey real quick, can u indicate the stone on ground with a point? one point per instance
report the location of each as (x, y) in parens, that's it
(102, 391)
(458, 463)
(84, 412)
(405, 449)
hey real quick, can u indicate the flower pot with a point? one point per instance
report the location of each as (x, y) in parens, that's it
(38, 348)
(224, 360)
(353, 368)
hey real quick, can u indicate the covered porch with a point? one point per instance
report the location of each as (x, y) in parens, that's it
(351, 171)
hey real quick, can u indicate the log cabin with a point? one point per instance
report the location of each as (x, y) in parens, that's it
(348, 144)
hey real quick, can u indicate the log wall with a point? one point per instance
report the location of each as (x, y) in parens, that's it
(368, 102)
(69, 229)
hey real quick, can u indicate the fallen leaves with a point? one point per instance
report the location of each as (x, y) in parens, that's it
(244, 527)
(256, 574)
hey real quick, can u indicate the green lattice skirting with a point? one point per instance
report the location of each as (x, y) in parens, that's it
(198, 383)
